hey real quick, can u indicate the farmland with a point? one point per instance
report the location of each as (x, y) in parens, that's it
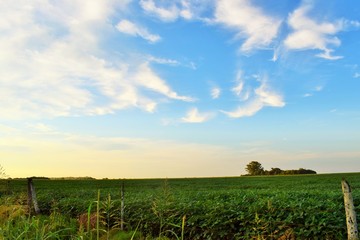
(264, 207)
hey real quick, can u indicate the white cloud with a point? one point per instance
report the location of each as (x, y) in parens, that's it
(357, 75)
(145, 77)
(54, 63)
(168, 12)
(238, 88)
(327, 55)
(193, 116)
(165, 61)
(354, 23)
(127, 27)
(247, 110)
(186, 11)
(215, 92)
(242, 92)
(309, 34)
(267, 97)
(250, 22)
(262, 97)
(171, 62)
(350, 24)
(319, 88)
(276, 54)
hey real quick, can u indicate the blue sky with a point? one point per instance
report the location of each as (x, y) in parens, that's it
(137, 89)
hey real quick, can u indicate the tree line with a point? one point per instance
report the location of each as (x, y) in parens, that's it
(255, 168)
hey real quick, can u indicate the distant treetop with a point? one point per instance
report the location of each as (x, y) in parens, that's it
(255, 168)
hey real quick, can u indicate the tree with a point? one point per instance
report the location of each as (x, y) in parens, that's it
(306, 171)
(275, 171)
(254, 168)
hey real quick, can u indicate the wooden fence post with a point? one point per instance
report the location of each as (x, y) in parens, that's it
(352, 228)
(32, 197)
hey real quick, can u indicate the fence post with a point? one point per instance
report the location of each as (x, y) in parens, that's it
(352, 228)
(32, 197)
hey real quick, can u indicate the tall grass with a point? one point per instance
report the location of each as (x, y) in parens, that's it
(17, 224)
(38, 227)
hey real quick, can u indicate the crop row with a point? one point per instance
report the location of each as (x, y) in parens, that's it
(249, 208)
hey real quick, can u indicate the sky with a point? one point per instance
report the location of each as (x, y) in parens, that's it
(182, 88)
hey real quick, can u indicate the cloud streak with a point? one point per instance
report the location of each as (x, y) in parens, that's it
(215, 92)
(249, 22)
(170, 11)
(242, 92)
(194, 116)
(310, 34)
(262, 96)
(128, 27)
(145, 77)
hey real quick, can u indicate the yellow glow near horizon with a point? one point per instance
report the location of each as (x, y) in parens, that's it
(140, 158)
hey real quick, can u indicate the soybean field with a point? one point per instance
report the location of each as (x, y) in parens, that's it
(262, 207)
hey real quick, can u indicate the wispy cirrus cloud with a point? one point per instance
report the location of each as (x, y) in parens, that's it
(250, 23)
(148, 79)
(308, 95)
(65, 70)
(315, 89)
(311, 34)
(194, 116)
(168, 11)
(128, 27)
(240, 90)
(165, 61)
(262, 96)
(215, 92)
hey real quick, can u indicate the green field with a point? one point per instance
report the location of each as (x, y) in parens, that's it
(264, 207)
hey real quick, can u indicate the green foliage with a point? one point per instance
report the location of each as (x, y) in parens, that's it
(254, 168)
(109, 214)
(38, 227)
(275, 171)
(266, 207)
